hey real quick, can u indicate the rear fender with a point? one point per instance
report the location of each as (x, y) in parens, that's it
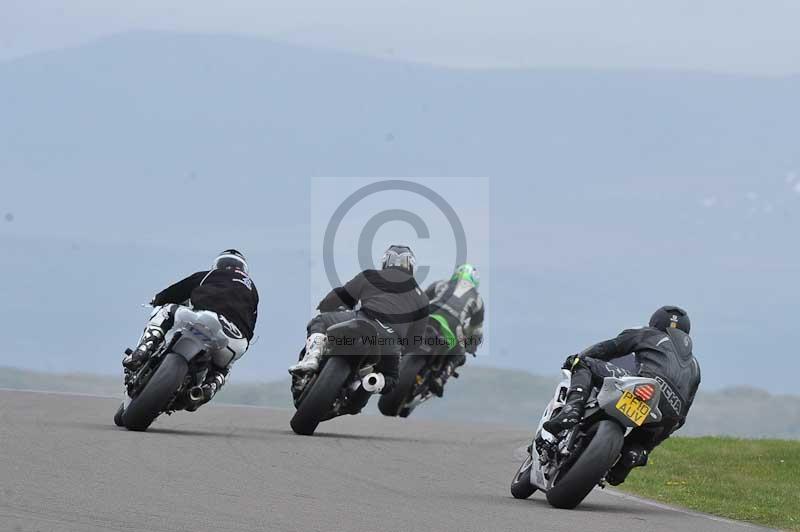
(187, 347)
(196, 332)
(360, 367)
(613, 389)
(356, 338)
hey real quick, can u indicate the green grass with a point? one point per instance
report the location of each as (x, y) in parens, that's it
(748, 480)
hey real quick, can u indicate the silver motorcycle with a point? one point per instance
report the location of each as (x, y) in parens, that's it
(567, 466)
(170, 379)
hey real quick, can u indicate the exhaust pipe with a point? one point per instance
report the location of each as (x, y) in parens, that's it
(373, 383)
(196, 394)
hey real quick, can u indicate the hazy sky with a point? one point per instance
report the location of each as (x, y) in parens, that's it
(126, 164)
(737, 36)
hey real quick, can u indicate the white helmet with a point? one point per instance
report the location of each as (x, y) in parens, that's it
(231, 259)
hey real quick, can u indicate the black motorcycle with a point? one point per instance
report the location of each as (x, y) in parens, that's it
(170, 379)
(418, 370)
(346, 367)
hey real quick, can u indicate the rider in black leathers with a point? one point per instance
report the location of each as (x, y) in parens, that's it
(391, 299)
(663, 351)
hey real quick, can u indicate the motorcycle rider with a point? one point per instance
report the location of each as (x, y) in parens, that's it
(227, 290)
(390, 298)
(663, 351)
(457, 311)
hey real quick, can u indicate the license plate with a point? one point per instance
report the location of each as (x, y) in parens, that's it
(633, 408)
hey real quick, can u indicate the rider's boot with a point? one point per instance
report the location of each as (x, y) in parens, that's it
(151, 339)
(315, 345)
(160, 322)
(572, 411)
(632, 456)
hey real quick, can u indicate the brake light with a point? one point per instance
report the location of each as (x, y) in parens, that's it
(644, 392)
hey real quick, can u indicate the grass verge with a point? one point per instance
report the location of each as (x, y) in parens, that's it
(748, 480)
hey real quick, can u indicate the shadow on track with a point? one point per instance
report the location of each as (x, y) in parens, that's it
(374, 437)
(255, 433)
(593, 506)
(177, 431)
(232, 433)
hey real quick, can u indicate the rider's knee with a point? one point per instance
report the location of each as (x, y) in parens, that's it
(163, 316)
(317, 325)
(224, 358)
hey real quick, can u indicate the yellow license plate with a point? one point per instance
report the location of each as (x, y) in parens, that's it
(633, 408)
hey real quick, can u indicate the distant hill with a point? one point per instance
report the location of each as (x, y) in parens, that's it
(127, 162)
(483, 395)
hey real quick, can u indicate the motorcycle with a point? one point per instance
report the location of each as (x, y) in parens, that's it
(568, 466)
(347, 367)
(417, 372)
(170, 379)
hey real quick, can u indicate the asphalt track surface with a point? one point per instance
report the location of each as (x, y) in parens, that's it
(64, 466)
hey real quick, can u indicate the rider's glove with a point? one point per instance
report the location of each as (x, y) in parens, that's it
(373, 383)
(571, 362)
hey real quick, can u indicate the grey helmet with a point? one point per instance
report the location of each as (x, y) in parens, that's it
(400, 258)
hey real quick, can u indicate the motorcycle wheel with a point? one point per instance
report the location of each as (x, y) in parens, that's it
(521, 487)
(590, 467)
(393, 402)
(147, 406)
(118, 415)
(317, 402)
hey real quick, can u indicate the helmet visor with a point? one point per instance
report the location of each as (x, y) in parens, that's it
(229, 261)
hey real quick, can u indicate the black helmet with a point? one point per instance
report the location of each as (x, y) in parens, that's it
(670, 316)
(231, 259)
(399, 257)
